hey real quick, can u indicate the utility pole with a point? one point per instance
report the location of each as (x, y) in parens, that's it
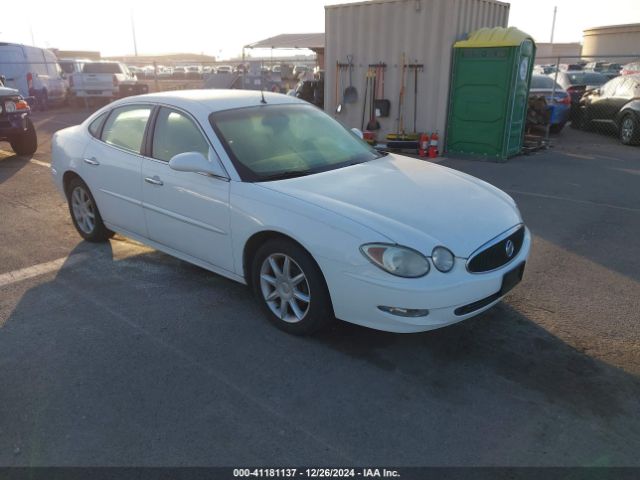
(133, 31)
(553, 24)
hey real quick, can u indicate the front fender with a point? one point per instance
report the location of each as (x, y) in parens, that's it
(324, 234)
(632, 107)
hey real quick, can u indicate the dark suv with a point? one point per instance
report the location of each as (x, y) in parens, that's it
(15, 125)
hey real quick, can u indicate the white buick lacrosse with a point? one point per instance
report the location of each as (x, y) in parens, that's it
(273, 193)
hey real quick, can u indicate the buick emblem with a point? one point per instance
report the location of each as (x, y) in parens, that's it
(509, 248)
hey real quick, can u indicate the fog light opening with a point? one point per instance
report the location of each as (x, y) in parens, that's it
(405, 312)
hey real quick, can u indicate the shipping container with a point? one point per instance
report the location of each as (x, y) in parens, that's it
(423, 31)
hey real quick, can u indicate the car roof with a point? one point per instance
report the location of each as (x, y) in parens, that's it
(214, 100)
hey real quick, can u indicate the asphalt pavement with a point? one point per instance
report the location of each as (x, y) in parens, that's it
(116, 354)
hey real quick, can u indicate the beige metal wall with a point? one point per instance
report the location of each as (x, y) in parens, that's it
(613, 40)
(381, 30)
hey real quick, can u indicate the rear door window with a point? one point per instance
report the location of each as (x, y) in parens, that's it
(96, 125)
(125, 127)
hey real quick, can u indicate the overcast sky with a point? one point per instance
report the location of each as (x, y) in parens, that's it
(221, 28)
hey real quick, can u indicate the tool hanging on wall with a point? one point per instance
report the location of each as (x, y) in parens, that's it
(373, 122)
(382, 105)
(415, 67)
(340, 67)
(364, 100)
(350, 93)
(400, 119)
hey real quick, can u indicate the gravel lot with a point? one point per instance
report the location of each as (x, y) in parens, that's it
(121, 355)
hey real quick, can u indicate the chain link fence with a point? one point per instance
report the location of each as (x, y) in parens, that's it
(600, 95)
(52, 82)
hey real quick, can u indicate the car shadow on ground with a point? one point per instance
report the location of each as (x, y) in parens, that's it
(114, 343)
(11, 164)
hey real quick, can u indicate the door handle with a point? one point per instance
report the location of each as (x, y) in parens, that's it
(154, 180)
(92, 161)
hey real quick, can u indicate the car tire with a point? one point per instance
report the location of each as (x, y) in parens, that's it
(629, 130)
(26, 143)
(296, 301)
(85, 214)
(557, 128)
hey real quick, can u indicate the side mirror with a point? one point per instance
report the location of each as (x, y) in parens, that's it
(358, 133)
(196, 162)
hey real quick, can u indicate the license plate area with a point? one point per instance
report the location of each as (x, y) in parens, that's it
(511, 279)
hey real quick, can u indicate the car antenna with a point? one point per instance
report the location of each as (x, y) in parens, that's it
(262, 100)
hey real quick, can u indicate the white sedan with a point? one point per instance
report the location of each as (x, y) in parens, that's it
(273, 193)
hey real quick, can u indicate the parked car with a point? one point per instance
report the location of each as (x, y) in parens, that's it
(544, 69)
(559, 104)
(283, 198)
(69, 66)
(165, 72)
(240, 68)
(577, 83)
(311, 91)
(194, 72)
(630, 68)
(276, 69)
(104, 80)
(15, 122)
(570, 67)
(179, 72)
(608, 69)
(225, 69)
(34, 72)
(615, 104)
(299, 70)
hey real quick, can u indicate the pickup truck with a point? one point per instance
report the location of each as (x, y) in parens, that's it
(104, 80)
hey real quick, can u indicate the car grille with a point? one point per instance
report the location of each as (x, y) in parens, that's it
(495, 256)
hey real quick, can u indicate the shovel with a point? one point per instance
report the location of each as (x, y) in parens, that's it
(338, 86)
(373, 123)
(350, 93)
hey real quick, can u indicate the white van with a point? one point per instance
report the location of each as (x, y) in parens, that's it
(34, 72)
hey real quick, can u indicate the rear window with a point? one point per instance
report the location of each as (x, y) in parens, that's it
(102, 68)
(587, 79)
(540, 81)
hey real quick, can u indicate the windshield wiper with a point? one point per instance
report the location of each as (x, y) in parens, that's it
(284, 175)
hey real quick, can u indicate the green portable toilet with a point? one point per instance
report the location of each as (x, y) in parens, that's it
(489, 92)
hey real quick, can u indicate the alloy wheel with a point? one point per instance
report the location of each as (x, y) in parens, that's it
(627, 129)
(83, 210)
(285, 288)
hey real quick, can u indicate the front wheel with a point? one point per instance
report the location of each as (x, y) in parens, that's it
(85, 214)
(291, 288)
(629, 130)
(26, 143)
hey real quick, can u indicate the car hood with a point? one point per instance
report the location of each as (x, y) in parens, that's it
(6, 91)
(411, 202)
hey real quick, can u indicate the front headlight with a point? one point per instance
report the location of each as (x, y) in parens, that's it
(9, 106)
(396, 260)
(443, 259)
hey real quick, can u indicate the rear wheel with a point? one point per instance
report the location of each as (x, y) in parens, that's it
(291, 288)
(629, 130)
(85, 214)
(27, 142)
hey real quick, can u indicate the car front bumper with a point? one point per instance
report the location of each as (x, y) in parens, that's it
(12, 124)
(358, 291)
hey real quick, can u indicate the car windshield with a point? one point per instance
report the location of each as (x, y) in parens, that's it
(587, 79)
(542, 82)
(271, 142)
